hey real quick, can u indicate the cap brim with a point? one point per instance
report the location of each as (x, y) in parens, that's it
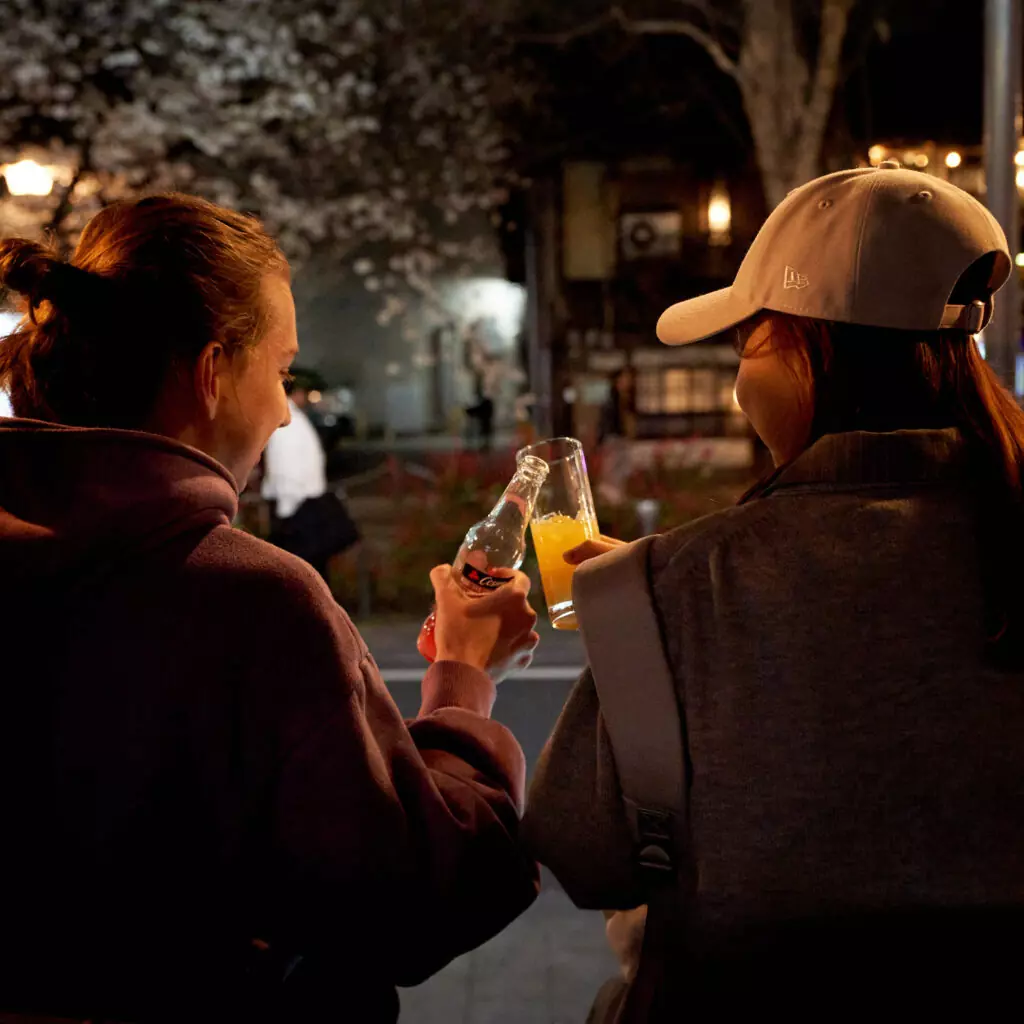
(703, 317)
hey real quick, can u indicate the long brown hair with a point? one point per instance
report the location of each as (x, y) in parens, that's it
(879, 379)
(151, 283)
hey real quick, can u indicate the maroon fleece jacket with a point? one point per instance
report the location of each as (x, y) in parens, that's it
(197, 750)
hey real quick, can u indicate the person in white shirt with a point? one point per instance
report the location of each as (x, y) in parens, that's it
(309, 520)
(295, 465)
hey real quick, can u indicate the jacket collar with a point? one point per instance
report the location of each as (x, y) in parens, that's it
(858, 459)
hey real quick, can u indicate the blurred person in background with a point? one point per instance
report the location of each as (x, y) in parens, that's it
(212, 808)
(846, 647)
(482, 411)
(307, 519)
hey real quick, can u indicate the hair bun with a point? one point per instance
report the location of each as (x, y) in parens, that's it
(36, 271)
(26, 268)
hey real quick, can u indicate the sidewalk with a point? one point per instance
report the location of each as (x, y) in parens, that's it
(547, 966)
(544, 968)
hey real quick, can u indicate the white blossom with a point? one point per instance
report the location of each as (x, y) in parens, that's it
(357, 126)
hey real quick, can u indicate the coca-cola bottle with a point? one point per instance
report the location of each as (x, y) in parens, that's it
(496, 545)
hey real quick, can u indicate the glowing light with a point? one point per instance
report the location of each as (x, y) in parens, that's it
(719, 216)
(27, 178)
(1019, 158)
(1020, 259)
(876, 154)
(498, 303)
(1020, 178)
(314, 397)
(921, 160)
(953, 159)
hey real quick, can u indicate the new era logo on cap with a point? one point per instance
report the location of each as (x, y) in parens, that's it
(794, 279)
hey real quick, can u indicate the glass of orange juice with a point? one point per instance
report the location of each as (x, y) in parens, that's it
(562, 518)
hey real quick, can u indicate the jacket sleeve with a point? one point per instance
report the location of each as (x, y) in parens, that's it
(394, 845)
(575, 822)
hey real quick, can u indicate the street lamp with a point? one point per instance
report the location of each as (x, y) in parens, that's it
(27, 178)
(719, 216)
(953, 159)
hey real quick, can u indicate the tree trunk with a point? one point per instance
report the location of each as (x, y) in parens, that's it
(787, 102)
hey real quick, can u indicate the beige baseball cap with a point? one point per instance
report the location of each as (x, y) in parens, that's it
(883, 247)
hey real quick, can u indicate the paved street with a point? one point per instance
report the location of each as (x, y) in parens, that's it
(546, 967)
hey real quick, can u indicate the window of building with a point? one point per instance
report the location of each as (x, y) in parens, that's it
(685, 390)
(648, 392)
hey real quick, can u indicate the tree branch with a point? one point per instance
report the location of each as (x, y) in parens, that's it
(673, 26)
(834, 17)
(645, 27)
(713, 14)
(560, 39)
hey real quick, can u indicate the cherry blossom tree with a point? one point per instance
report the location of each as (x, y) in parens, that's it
(360, 130)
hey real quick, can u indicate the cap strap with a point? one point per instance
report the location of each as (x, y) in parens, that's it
(970, 318)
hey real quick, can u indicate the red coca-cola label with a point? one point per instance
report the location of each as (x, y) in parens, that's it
(483, 579)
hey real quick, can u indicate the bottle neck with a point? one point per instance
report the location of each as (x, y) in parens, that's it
(523, 488)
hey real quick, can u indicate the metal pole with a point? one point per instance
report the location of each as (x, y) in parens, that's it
(539, 299)
(1002, 134)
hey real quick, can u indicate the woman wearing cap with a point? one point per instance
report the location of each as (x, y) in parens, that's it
(847, 645)
(197, 826)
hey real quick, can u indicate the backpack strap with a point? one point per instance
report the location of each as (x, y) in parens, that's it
(637, 693)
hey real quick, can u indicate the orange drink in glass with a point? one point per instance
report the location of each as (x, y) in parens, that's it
(553, 535)
(562, 518)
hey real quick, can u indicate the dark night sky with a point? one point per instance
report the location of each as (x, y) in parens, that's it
(926, 82)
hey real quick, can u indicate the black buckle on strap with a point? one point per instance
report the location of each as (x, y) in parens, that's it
(655, 852)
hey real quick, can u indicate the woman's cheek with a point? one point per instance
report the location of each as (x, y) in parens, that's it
(776, 403)
(746, 391)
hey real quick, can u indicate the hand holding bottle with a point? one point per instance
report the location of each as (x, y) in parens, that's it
(493, 548)
(494, 632)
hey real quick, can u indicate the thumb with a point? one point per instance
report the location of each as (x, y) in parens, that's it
(440, 576)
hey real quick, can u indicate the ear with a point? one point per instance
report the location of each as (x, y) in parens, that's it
(207, 382)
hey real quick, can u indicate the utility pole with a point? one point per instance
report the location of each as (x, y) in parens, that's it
(1002, 137)
(540, 291)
